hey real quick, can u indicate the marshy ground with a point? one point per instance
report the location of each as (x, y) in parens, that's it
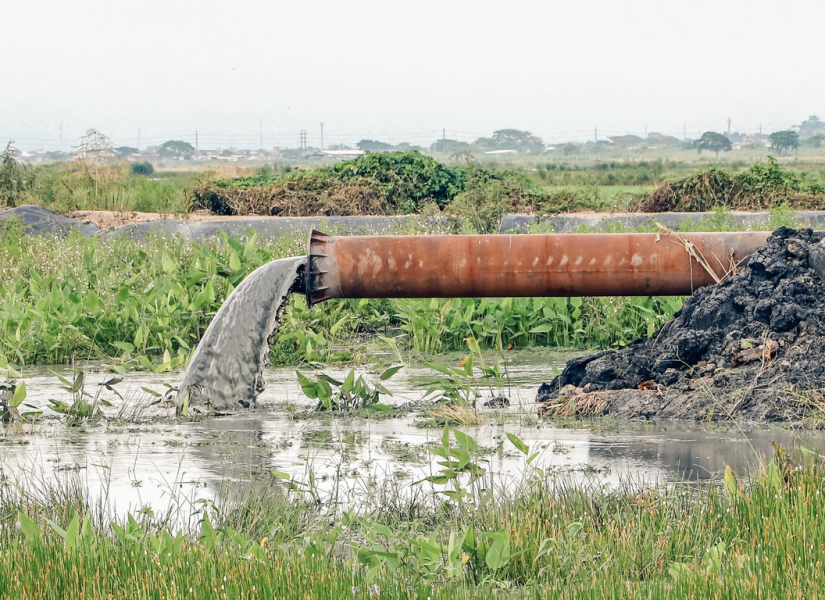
(141, 456)
(420, 499)
(282, 501)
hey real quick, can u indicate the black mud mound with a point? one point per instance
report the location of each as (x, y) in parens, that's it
(752, 347)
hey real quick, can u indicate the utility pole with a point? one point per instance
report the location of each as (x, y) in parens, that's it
(322, 136)
(261, 123)
(684, 131)
(197, 147)
(443, 133)
(595, 135)
(728, 125)
(645, 130)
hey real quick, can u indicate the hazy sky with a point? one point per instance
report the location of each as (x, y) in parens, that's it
(402, 71)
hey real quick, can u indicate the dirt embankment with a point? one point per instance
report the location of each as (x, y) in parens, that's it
(110, 219)
(751, 347)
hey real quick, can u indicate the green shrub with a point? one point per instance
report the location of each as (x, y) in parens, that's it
(17, 180)
(142, 168)
(376, 183)
(761, 187)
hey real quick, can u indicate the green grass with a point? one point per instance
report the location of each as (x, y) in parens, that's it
(542, 537)
(76, 186)
(118, 299)
(480, 190)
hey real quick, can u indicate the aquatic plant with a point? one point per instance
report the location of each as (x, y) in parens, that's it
(145, 305)
(80, 410)
(353, 393)
(13, 392)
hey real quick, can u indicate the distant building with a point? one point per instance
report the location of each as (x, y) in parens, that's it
(755, 139)
(144, 157)
(341, 153)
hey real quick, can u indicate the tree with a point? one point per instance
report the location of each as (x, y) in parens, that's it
(451, 147)
(569, 148)
(627, 141)
(176, 149)
(815, 141)
(782, 141)
(660, 139)
(124, 151)
(715, 142)
(811, 127)
(373, 146)
(512, 139)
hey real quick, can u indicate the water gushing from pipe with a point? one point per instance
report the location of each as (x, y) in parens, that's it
(226, 370)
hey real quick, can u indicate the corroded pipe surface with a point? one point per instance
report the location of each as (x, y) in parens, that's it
(454, 266)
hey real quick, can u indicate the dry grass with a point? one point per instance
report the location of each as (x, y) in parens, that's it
(290, 198)
(458, 415)
(592, 404)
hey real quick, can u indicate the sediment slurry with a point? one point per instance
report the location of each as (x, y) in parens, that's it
(751, 347)
(226, 370)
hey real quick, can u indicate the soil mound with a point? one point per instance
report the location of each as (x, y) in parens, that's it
(752, 347)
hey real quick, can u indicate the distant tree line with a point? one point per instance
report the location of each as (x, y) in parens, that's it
(515, 140)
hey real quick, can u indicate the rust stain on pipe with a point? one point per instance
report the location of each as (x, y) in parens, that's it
(454, 266)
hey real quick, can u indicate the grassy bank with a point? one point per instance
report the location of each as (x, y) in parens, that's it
(401, 183)
(478, 189)
(459, 534)
(75, 185)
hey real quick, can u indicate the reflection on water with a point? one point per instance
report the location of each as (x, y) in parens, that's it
(171, 465)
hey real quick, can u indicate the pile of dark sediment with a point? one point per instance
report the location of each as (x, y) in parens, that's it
(751, 347)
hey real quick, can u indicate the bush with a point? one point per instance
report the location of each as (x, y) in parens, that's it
(403, 179)
(142, 168)
(761, 187)
(17, 180)
(377, 183)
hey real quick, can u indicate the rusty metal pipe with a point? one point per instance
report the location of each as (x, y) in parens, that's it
(453, 266)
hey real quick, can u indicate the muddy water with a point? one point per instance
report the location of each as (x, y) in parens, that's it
(227, 367)
(146, 459)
